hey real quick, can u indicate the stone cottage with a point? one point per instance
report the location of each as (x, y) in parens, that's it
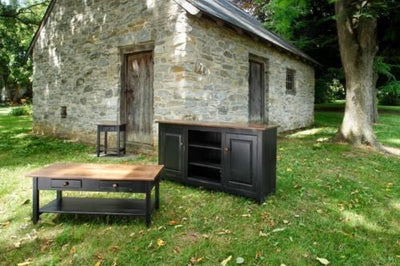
(138, 61)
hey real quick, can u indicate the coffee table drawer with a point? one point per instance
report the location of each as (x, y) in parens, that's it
(63, 183)
(122, 186)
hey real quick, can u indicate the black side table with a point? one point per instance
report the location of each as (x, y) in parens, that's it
(110, 127)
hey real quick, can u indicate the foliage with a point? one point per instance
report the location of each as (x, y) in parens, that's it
(18, 23)
(389, 94)
(22, 110)
(345, 212)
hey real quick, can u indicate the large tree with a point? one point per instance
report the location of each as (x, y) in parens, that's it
(357, 22)
(18, 23)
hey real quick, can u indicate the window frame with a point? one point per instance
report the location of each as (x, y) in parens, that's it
(290, 82)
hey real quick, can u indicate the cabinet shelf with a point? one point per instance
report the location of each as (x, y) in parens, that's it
(206, 164)
(209, 146)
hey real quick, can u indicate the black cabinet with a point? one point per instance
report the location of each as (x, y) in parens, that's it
(238, 159)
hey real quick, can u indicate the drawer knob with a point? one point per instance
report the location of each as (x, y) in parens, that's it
(66, 183)
(115, 185)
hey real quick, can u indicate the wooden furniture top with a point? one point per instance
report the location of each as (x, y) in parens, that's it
(99, 171)
(217, 124)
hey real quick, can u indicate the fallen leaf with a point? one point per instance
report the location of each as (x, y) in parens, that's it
(289, 169)
(225, 232)
(259, 254)
(150, 244)
(262, 234)
(114, 248)
(26, 262)
(239, 260)
(278, 230)
(246, 215)
(323, 261)
(17, 244)
(285, 221)
(177, 250)
(172, 222)
(72, 250)
(206, 236)
(194, 260)
(132, 234)
(98, 263)
(5, 224)
(225, 261)
(178, 226)
(160, 242)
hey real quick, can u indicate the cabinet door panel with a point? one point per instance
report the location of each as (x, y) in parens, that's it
(172, 152)
(241, 157)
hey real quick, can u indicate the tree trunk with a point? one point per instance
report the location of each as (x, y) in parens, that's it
(374, 111)
(357, 42)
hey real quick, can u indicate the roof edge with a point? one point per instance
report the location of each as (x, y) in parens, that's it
(188, 7)
(39, 29)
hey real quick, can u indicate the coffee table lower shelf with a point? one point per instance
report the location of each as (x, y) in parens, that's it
(132, 207)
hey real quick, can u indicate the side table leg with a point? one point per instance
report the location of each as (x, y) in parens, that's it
(35, 201)
(118, 139)
(125, 139)
(157, 193)
(105, 142)
(98, 142)
(148, 205)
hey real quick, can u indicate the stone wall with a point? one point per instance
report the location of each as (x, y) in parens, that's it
(201, 68)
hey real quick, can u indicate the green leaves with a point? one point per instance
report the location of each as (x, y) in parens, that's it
(18, 23)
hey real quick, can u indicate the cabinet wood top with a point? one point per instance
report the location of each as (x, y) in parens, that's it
(217, 124)
(99, 171)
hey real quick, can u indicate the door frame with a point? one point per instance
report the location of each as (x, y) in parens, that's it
(125, 51)
(264, 84)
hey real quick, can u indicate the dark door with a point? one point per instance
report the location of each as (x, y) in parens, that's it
(256, 92)
(241, 160)
(139, 97)
(171, 152)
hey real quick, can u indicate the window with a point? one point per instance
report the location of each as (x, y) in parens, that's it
(290, 80)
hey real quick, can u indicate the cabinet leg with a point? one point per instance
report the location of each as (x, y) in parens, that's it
(35, 201)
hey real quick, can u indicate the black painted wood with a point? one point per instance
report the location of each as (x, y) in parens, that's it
(98, 206)
(236, 160)
(171, 151)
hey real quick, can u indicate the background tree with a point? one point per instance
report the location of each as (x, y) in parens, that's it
(18, 23)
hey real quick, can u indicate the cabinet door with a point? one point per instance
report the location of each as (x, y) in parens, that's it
(171, 152)
(241, 158)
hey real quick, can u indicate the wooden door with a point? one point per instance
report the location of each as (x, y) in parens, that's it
(256, 92)
(139, 97)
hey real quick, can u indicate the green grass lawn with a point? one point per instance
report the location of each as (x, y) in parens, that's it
(333, 201)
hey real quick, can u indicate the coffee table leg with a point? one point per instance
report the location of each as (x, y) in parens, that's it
(148, 206)
(59, 198)
(157, 193)
(35, 201)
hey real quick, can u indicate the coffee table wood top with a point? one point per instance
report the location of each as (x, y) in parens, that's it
(99, 171)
